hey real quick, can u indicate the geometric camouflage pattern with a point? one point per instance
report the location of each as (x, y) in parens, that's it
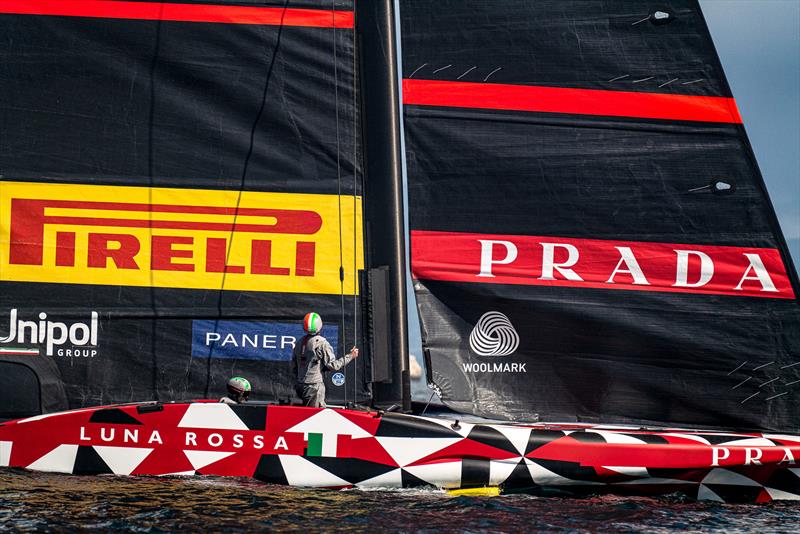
(337, 448)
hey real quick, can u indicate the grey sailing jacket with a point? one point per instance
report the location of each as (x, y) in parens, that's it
(312, 356)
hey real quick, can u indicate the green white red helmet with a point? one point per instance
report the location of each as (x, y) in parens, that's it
(239, 388)
(312, 323)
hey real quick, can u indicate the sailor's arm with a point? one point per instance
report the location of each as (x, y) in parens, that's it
(330, 358)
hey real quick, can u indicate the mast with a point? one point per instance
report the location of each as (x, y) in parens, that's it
(383, 194)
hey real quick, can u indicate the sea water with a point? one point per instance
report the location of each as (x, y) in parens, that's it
(51, 502)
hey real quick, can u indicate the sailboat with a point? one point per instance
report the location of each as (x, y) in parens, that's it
(607, 302)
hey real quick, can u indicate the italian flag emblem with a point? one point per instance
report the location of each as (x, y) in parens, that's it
(323, 430)
(321, 444)
(13, 351)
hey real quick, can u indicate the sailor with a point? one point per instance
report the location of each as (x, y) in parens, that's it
(238, 391)
(312, 356)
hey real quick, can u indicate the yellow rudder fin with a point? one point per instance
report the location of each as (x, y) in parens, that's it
(489, 491)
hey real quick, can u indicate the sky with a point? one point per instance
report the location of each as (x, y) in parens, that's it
(758, 42)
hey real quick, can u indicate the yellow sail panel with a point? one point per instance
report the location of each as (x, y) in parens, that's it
(179, 238)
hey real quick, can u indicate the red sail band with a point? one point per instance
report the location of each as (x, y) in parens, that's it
(224, 14)
(596, 263)
(571, 101)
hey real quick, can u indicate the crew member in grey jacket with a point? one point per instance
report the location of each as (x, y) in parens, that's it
(312, 356)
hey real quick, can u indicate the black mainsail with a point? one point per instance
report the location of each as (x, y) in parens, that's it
(180, 185)
(591, 238)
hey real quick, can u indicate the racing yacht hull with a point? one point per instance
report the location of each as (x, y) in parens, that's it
(341, 448)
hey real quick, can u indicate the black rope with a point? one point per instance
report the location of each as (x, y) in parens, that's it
(355, 212)
(151, 181)
(339, 187)
(429, 403)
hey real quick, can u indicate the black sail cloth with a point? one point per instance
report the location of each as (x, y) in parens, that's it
(217, 137)
(576, 172)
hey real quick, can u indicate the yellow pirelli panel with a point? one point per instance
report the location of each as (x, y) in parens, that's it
(182, 238)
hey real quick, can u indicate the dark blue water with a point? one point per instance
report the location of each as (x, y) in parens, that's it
(49, 502)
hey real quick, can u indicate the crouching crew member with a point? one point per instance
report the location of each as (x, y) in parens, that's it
(238, 391)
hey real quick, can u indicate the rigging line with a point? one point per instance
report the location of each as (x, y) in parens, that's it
(339, 190)
(242, 180)
(429, 403)
(151, 182)
(355, 215)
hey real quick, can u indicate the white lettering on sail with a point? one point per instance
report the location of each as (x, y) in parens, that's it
(487, 255)
(632, 267)
(717, 454)
(682, 272)
(788, 457)
(281, 444)
(53, 334)
(596, 263)
(761, 274)
(494, 367)
(549, 265)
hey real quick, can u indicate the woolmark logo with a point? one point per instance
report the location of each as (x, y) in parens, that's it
(494, 335)
(80, 338)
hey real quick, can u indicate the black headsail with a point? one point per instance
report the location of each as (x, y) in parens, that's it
(591, 238)
(180, 185)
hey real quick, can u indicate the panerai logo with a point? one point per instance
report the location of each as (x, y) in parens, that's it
(494, 335)
(61, 339)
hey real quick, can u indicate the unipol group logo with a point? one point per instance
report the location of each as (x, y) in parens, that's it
(28, 337)
(494, 335)
(186, 238)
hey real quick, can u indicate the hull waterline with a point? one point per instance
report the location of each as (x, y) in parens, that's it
(338, 448)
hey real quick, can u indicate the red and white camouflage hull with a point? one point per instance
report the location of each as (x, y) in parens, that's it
(336, 448)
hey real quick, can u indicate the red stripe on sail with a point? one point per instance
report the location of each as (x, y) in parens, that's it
(597, 263)
(570, 100)
(110, 9)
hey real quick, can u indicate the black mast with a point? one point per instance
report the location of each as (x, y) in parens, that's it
(383, 186)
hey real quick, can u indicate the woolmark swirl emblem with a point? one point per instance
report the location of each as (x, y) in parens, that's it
(493, 336)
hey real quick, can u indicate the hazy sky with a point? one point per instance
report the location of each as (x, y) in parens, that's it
(758, 42)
